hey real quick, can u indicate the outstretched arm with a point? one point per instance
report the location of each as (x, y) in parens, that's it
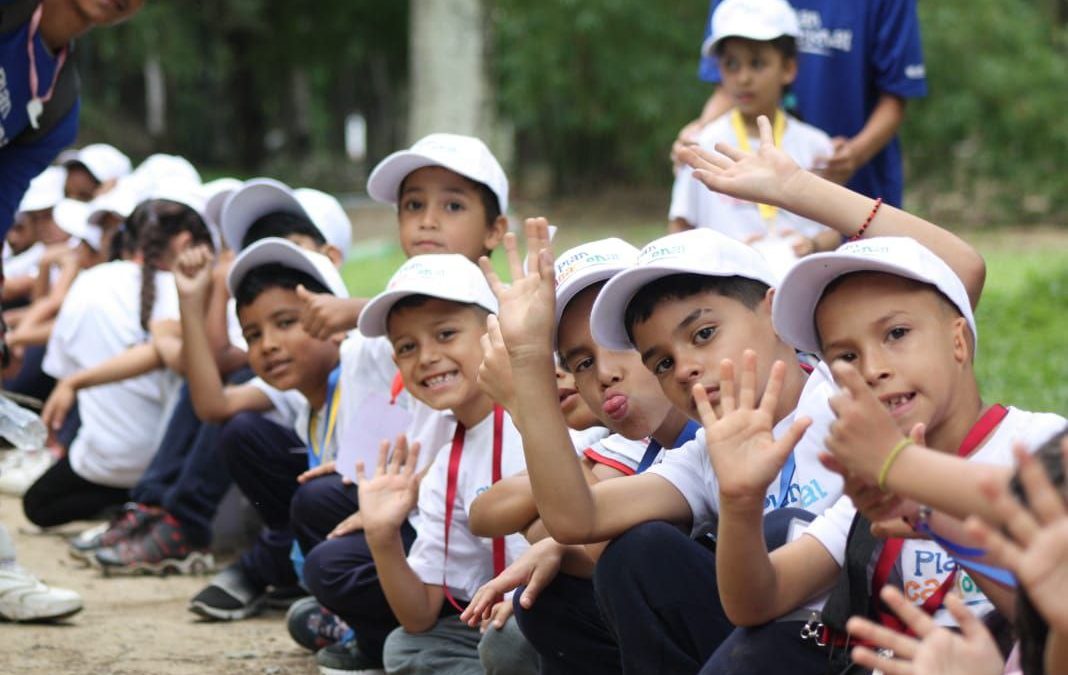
(769, 176)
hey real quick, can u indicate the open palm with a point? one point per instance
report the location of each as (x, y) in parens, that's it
(387, 497)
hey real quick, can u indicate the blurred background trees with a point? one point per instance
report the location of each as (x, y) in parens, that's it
(579, 96)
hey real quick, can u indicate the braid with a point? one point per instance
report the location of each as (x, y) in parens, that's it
(156, 222)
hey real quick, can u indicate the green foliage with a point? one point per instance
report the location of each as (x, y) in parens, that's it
(993, 127)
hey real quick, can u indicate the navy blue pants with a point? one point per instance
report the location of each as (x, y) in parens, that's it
(264, 460)
(31, 380)
(187, 477)
(341, 572)
(775, 647)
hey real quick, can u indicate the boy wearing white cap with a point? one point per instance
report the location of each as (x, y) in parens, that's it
(93, 170)
(900, 312)
(434, 313)
(755, 42)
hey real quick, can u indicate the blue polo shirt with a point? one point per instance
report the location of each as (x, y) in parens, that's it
(850, 52)
(21, 162)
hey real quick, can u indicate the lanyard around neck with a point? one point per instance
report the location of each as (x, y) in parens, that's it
(767, 212)
(333, 398)
(455, 454)
(892, 549)
(35, 106)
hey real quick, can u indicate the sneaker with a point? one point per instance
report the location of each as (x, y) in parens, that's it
(283, 597)
(21, 469)
(230, 596)
(24, 598)
(162, 549)
(313, 626)
(133, 519)
(345, 658)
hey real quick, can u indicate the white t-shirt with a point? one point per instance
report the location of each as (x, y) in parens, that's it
(736, 218)
(122, 421)
(470, 559)
(924, 565)
(24, 264)
(812, 487)
(288, 404)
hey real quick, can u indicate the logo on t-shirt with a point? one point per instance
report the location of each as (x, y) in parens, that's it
(801, 495)
(815, 39)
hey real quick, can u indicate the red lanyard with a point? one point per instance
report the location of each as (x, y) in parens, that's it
(892, 549)
(35, 106)
(455, 455)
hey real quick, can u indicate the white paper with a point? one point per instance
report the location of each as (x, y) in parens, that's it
(376, 420)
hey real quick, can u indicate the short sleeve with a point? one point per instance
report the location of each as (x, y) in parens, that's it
(897, 52)
(831, 529)
(689, 470)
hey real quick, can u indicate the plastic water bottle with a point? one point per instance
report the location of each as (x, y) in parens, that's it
(22, 428)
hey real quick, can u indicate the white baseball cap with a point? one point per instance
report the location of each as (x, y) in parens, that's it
(277, 251)
(579, 268)
(260, 196)
(701, 251)
(794, 309)
(160, 170)
(121, 200)
(446, 276)
(753, 19)
(216, 193)
(45, 191)
(72, 216)
(105, 162)
(465, 155)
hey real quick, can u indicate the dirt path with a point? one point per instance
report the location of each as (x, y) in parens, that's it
(134, 625)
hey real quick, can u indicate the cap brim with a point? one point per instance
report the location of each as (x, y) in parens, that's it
(275, 251)
(384, 183)
(250, 203)
(373, 321)
(794, 307)
(606, 319)
(568, 292)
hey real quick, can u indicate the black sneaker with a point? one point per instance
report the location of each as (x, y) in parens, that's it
(345, 658)
(229, 597)
(313, 626)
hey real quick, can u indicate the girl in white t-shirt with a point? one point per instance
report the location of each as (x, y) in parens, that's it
(109, 309)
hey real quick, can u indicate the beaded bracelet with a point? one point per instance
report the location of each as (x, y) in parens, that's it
(889, 461)
(871, 217)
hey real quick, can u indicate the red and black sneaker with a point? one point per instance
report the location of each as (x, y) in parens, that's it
(162, 549)
(132, 520)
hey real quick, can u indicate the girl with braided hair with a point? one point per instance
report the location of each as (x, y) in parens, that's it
(116, 330)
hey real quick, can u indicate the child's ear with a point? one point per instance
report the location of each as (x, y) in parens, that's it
(963, 343)
(789, 72)
(332, 252)
(495, 233)
(765, 304)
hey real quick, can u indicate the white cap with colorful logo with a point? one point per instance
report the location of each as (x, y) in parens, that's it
(794, 308)
(465, 155)
(761, 20)
(277, 251)
(261, 196)
(701, 251)
(446, 276)
(579, 268)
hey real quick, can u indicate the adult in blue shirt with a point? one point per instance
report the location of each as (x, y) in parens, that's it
(859, 61)
(38, 89)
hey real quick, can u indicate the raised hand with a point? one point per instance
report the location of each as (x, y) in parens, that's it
(387, 497)
(1036, 548)
(757, 177)
(325, 314)
(744, 454)
(536, 568)
(864, 433)
(193, 272)
(938, 651)
(527, 307)
(495, 372)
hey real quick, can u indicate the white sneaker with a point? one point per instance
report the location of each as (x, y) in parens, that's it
(24, 598)
(21, 469)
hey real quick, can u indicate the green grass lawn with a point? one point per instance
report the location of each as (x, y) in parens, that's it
(1023, 354)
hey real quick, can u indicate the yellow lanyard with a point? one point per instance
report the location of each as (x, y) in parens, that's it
(767, 212)
(331, 420)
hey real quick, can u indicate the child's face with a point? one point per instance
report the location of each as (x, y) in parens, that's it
(437, 350)
(754, 74)
(907, 343)
(279, 350)
(440, 211)
(577, 415)
(22, 234)
(80, 184)
(684, 341)
(613, 384)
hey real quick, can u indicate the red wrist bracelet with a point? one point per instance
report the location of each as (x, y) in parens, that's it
(871, 217)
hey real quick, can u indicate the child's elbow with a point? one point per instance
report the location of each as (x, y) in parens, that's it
(568, 534)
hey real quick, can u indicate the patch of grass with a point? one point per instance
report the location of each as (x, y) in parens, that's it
(1023, 356)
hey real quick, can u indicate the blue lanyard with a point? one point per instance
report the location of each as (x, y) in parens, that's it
(316, 458)
(998, 574)
(785, 477)
(654, 448)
